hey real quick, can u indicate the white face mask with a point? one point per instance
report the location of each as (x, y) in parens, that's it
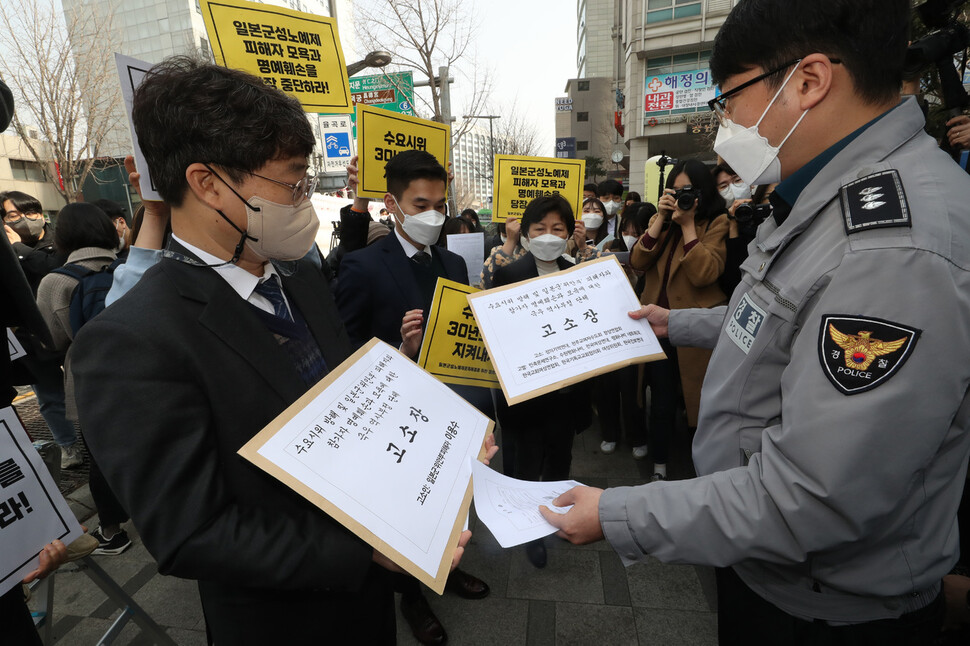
(629, 241)
(748, 152)
(611, 207)
(732, 192)
(280, 231)
(547, 247)
(425, 227)
(592, 220)
(504, 238)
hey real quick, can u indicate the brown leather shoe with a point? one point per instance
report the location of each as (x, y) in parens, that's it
(424, 625)
(466, 586)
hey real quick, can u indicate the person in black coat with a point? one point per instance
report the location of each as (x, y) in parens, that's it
(537, 435)
(218, 341)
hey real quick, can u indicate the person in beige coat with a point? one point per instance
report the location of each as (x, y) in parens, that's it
(682, 254)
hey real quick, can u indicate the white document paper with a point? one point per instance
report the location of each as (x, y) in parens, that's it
(471, 247)
(389, 446)
(510, 507)
(14, 346)
(563, 328)
(32, 510)
(131, 71)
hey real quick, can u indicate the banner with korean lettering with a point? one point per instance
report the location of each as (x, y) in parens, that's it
(681, 91)
(546, 333)
(519, 180)
(32, 510)
(298, 53)
(386, 450)
(452, 348)
(382, 134)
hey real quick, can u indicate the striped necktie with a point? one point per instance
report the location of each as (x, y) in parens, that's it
(270, 290)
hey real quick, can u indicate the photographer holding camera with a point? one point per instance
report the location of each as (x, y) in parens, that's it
(683, 254)
(745, 215)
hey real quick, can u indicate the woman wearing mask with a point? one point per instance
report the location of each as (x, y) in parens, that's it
(538, 434)
(594, 219)
(682, 253)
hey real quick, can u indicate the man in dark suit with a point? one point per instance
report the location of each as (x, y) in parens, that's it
(217, 341)
(381, 283)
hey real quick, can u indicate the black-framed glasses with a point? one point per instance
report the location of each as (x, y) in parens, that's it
(301, 190)
(718, 105)
(14, 217)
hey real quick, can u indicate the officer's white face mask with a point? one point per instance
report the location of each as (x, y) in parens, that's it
(748, 152)
(424, 227)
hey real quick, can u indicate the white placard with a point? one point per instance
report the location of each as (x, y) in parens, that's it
(337, 142)
(14, 346)
(131, 71)
(32, 510)
(471, 247)
(549, 332)
(383, 447)
(510, 507)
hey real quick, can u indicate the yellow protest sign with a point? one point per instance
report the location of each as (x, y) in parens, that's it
(519, 180)
(453, 349)
(382, 134)
(296, 52)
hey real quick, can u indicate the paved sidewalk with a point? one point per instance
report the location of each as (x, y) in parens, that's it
(584, 596)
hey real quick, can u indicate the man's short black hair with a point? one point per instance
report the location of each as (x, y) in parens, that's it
(869, 37)
(21, 201)
(591, 188)
(187, 111)
(609, 187)
(540, 207)
(113, 209)
(81, 225)
(410, 165)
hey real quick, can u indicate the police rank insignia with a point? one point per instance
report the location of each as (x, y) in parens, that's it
(874, 202)
(859, 354)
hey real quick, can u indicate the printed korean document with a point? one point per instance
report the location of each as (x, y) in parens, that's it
(549, 332)
(384, 448)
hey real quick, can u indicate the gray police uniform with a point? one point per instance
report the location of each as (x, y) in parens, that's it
(833, 438)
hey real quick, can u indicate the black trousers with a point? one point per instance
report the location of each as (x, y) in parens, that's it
(237, 616)
(664, 378)
(16, 624)
(110, 510)
(745, 619)
(615, 394)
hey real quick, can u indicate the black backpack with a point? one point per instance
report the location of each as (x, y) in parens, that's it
(87, 300)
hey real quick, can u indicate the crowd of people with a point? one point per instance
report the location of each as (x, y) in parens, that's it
(810, 296)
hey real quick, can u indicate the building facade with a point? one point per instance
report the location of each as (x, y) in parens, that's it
(152, 30)
(19, 171)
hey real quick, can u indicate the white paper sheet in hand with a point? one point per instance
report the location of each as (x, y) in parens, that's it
(32, 511)
(131, 72)
(510, 507)
(471, 247)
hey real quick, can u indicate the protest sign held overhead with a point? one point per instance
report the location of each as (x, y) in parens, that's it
(32, 510)
(386, 450)
(381, 135)
(452, 348)
(298, 53)
(519, 180)
(549, 332)
(131, 71)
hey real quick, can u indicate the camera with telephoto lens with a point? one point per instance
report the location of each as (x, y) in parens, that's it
(753, 214)
(685, 197)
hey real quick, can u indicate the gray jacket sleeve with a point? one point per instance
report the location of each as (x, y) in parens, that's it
(821, 478)
(696, 328)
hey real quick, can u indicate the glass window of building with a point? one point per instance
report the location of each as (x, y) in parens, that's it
(663, 10)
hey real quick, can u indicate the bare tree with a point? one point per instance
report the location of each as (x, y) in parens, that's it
(66, 93)
(516, 134)
(424, 35)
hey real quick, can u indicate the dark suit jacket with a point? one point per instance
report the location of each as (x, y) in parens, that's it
(171, 381)
(523, 269)
(377, 286)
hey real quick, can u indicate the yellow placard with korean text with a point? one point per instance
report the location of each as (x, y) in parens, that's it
(519, 180)
(382, 134)
(298, 53)
(453, 349)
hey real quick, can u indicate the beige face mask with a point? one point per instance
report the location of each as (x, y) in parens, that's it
(280, 231)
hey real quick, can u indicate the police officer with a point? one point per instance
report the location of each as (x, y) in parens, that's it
(833, 434)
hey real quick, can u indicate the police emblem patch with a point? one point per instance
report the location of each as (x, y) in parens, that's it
(875, 201)
(858, 354)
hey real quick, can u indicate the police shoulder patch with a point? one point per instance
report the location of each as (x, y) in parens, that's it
(874, 202)
(859, 353)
